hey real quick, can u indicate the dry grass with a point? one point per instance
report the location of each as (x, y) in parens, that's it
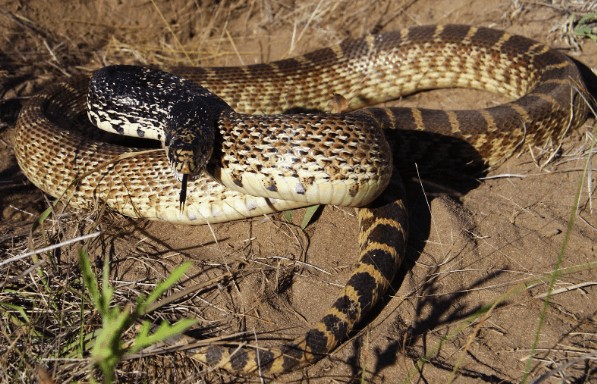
(246, 274)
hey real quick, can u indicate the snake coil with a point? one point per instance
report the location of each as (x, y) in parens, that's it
(303, 160)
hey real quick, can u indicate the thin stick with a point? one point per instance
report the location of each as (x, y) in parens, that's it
(49, 248)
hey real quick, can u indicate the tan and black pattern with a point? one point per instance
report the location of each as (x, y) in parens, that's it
(85, 166)
(544, 83)
(340, 159)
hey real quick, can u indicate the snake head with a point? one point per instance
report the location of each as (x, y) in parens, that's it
(187, 155)
(189, 141)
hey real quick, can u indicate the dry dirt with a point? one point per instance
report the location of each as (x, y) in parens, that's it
(498, 243)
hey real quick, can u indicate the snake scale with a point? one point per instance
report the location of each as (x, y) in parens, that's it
(56, 156)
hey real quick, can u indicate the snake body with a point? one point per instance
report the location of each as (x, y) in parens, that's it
(340, 159)
(55, 156)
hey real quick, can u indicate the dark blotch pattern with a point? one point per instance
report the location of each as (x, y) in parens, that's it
(239, 358)
(486, 37)
(266, 358)
(365, 285)
(471, 121)
(316, 341)
(316, 56)
(347, 306)
(382, 261)
(421, 33)
(517, 44)
(437, 121)
(405, 119)
(214, 355)
(455, 33)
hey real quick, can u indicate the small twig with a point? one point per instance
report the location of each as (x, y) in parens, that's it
(49, 248)
(566, 289)
(503, 176)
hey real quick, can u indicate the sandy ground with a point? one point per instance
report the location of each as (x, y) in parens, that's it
(498, 243)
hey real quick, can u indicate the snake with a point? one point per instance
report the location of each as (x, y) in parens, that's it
(63, 154)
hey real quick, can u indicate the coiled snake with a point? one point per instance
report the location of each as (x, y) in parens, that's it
(56, 157)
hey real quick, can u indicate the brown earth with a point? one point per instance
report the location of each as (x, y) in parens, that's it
(496, 245)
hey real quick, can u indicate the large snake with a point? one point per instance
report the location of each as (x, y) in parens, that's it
(56, 156)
